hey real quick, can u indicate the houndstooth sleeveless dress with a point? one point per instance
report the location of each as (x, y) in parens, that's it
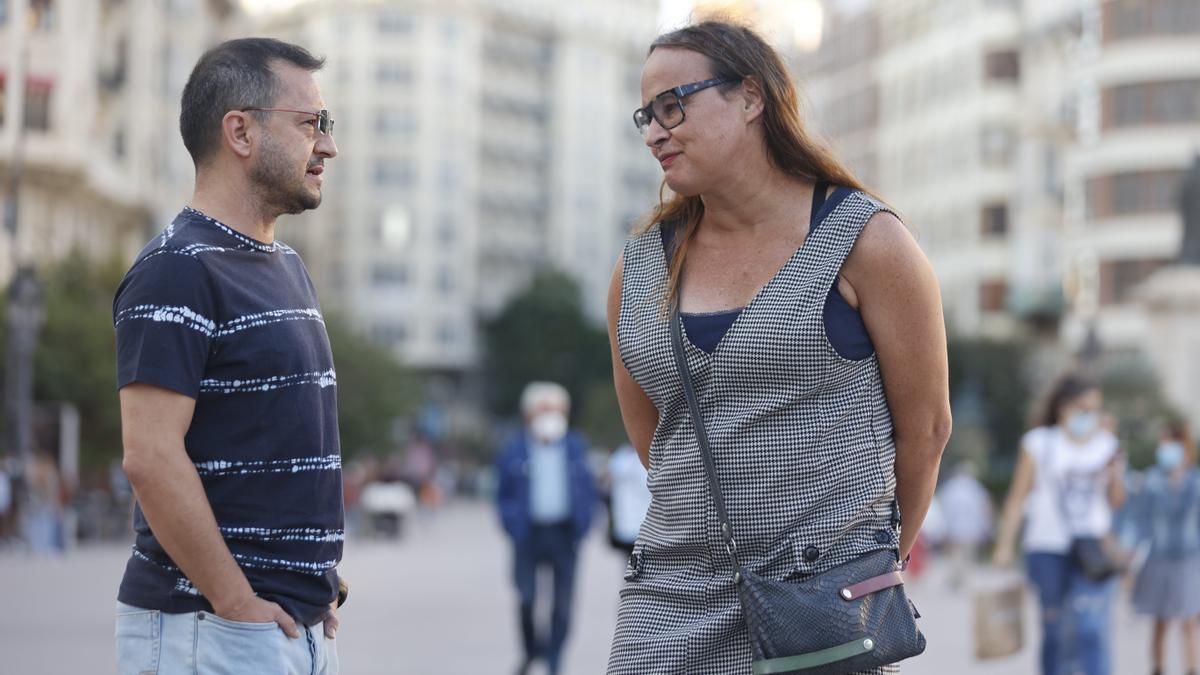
(802, 440)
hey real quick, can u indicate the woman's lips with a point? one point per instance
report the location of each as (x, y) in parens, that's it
(668, 159)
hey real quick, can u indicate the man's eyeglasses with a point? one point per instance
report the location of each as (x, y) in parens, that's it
(667, 107)
(324, 121)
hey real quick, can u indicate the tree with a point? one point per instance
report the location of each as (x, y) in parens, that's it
(374, 391)
(76, 361)
(542, 334)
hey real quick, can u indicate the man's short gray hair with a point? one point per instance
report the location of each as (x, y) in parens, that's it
(537, 394)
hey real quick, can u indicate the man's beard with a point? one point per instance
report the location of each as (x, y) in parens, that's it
(277, 189)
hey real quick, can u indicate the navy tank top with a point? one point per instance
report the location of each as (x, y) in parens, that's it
(843, 324)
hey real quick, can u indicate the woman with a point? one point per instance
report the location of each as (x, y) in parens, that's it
(815, 338)
(1068, 480)
(1166, 514)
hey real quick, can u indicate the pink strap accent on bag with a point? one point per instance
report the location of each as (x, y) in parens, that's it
(872, 585)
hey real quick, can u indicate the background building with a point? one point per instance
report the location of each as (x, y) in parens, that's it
(1035, 147)
(89, 98)
(481, 141)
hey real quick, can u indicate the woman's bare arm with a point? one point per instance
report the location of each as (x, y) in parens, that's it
(901, 306)
(637, 410)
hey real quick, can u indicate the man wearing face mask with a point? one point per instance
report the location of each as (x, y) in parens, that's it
(545, 496)
(1166, 515)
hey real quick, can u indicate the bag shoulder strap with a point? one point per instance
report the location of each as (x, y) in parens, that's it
(710, 467)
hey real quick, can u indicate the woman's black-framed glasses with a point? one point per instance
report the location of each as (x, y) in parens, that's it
(667, 107)
(324, 121)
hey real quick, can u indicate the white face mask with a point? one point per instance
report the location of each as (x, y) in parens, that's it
(549, 427)
(1081, 425)
(1170, 454)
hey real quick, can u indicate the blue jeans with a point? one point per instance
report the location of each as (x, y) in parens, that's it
(150, 642)
(552, 546)
(1076, 616)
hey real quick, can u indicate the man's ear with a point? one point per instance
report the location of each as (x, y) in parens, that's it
(753, 100)
(237, 132)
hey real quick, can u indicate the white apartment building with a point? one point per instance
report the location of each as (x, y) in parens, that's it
(480, 141)
(921, 99)
(1036, 148)
(1139, 132)
(96, 89)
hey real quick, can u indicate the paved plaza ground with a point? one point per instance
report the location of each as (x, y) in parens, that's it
(438, 602)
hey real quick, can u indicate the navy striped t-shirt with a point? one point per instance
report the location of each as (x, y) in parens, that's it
(234, 323)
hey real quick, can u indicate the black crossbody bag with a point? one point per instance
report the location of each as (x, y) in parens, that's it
(852, 617)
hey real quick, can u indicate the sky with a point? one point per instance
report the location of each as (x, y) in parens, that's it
(803, 15)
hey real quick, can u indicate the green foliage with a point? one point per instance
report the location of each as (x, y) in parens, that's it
(543, 335)
(75, 361)
(600, 416)
(990, 394)
(994, 388)
(374, 391)
(1132, 393)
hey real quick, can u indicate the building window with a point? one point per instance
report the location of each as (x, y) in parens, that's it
(43, 14)
(446, 231)
(395, 122)
(390, 334)
(1176, 102)
(1002, 65)
(393, 72)
(993, 296)
(1132, 193)
(1124, 19)
(1119, 278)
(389, 274)
(37, 105)
(395, 227)
(395, 23)
(447, 332)
(445, 279)
(393, 173)
(995, 220)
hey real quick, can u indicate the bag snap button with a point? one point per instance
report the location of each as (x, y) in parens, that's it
(811, 553)
(883, 536)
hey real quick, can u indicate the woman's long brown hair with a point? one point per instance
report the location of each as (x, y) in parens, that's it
(737, 52)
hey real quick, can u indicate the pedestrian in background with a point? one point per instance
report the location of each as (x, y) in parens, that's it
(629, 498)
(815, 337)
(227, 391)
(545, 496)
(970, 523)
(1165, 514)
(1068, 480)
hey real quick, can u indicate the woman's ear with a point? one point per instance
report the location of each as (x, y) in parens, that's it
(753, 100)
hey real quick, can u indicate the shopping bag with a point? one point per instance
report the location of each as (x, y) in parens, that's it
(999, 631)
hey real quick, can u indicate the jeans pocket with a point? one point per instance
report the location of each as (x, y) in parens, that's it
(138, 641)
(228, 647)
(239, 625)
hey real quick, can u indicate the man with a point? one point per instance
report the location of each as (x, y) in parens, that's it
(629, 497)
(969, 523)
(227, 389)
(545, 497)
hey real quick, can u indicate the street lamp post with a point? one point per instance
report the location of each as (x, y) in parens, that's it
(24, 314)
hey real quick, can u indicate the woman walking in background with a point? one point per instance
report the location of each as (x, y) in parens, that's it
(815, 337)
(1069, 479)
(1166, 514)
